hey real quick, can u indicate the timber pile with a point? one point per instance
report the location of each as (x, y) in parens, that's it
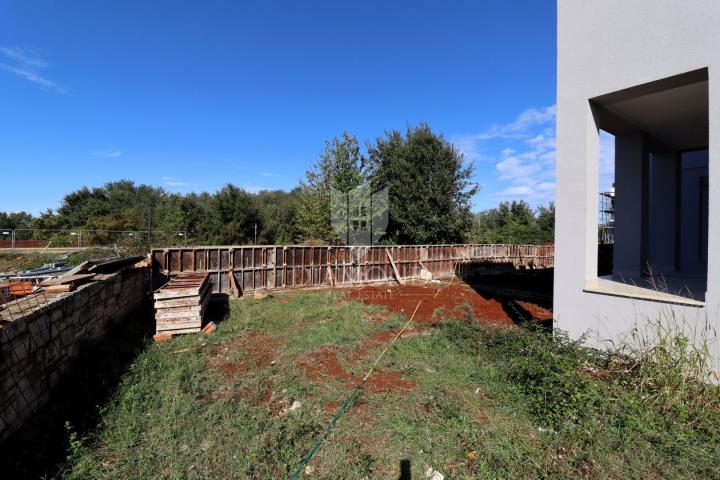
(66, 283)
(180, 304)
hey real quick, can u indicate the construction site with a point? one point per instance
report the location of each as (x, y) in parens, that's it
(52, 313)
(316, 240)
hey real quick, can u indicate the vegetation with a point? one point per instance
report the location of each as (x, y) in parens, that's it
(429, 187)
(16, 262)
(471, 402)
(515, 222)
(340, 167)
(428, 184)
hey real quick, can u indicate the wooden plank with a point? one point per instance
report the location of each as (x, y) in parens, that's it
(180, 330)
(331, 279)
(394, 267)
(193, 301)
(60, 288)
(181, 292)
(180, 312)
(233, 287)
(65, 279)
(188, 322)
(82, 268)
(114, 264)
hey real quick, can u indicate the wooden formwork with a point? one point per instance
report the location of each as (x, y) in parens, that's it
(180, 304)
(238, 269)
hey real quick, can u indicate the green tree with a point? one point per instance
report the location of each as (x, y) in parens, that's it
(12, 220)
(515, 223)
(232, 217)
(429, 186)
(278, 210)
(340, 166)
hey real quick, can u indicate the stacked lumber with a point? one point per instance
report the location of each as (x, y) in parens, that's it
(180, 304)
(66, 283)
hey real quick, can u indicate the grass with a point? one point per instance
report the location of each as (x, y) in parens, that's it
(476, 403)
(10, 262)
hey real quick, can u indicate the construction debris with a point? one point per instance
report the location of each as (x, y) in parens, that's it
(181, 304)
(209, 328)
(68, 287)
(113, 264)
(68, 279)
(398, 277)
(432, 474)
(49, 270)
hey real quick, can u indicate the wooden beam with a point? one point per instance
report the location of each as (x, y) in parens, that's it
(331, 279)
(394, 267)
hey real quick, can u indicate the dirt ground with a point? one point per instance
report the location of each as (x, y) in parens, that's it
(445, 299)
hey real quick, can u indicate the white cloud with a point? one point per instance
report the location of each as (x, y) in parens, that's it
(25, 63)
(524, 127)
(526, 158)
(253, 188)
(175, 184)
(108, 153)
(24, 56)
(268, 174)
(523, 153)
(516, 169)
(514, 192)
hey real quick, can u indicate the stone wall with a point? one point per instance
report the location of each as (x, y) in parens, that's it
(37, 349)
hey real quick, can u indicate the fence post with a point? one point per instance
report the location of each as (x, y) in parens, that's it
(12, 241)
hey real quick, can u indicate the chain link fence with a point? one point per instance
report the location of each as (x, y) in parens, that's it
(80, 239)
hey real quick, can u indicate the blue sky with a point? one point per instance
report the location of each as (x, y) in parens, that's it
(192, 95)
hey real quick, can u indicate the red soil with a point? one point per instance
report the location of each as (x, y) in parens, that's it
(259, 352)
(323, 364)
(404, 299)
(384, 338)
(537, 312)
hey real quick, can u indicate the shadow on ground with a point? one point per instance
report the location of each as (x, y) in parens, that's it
(40, 447)
(511, 289)
(218, 310)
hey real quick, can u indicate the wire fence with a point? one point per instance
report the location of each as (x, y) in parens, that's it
(49, 239)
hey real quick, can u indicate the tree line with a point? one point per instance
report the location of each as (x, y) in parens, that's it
(427, 179)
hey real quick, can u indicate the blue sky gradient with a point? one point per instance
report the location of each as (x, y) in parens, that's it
(192, 95)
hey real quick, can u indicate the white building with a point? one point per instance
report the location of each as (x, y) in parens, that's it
(647, 72)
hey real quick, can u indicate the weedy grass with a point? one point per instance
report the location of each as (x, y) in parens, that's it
(14, 262)
(471, 402)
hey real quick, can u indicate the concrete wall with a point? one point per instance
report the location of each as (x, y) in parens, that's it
(36, 350)
(605, 47)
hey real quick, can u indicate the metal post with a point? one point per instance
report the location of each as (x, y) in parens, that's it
(256, 234)
(12, 241)
(149, 233)
(79, 240)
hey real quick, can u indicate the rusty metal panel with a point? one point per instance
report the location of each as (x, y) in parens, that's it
(272, 266)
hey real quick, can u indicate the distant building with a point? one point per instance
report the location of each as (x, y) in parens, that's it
(649, 74)
(606, 230)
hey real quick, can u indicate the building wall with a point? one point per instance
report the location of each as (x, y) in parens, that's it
(604, 47)
(36, 350)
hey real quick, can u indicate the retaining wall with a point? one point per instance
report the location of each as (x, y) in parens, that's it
(37, 349)
(247, 268)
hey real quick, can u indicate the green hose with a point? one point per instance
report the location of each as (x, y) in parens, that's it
(346, 404)
(343, 408)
